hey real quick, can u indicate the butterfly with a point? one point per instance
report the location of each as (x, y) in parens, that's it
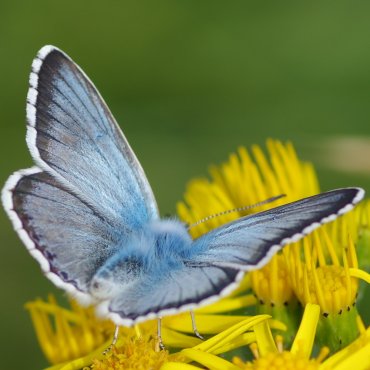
(87, 214)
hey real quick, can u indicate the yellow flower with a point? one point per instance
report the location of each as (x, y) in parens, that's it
(270, 354)
(327, 274)
(78, 333)
(320, 275)
(64, 334)
(363, 219)
(137, 352)
(74, 338)
(205, 353)
(246, 180)
(243, 181)
(321, 272)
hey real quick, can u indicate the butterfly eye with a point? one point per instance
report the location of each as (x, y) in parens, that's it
(102, 288)
(116, 274)
(96, 285)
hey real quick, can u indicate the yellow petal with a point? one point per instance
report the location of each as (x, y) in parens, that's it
(206, 324)
(359, 360)
(229, 304)
(219, 340)
(360, 274)
(212, 362)
(338, 358)
(178, 340)
(276, 324)
(305, 337)
(82, 362)
(265, 341)
(243, 340)
(178, 366)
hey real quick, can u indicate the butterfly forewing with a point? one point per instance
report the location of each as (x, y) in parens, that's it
(249, 242)
(73, 136)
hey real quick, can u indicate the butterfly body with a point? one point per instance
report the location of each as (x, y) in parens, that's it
(157, 249)
(87, 214)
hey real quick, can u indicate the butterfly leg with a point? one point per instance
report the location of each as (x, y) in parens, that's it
(195, 330)
(114, 340)
(115, 335)
(159, 335)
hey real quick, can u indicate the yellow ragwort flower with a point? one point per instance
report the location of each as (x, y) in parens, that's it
(64, 334)
(330, 277)
(321, 271)
(270, 354)
(205, 354)
(246, 180)
(322, 276)
(74, 338)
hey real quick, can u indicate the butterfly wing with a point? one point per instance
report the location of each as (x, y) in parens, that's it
(73, 136)
(89, 191)
(170, 293)
(249, 242)
(64, 234)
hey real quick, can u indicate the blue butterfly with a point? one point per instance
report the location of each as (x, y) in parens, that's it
(87, 214)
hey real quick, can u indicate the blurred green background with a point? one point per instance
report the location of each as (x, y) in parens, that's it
(189, 81)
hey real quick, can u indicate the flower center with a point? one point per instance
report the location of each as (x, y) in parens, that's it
(132, 353)
(331, 287)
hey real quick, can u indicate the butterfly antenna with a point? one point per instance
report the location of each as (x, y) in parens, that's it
(239, 209)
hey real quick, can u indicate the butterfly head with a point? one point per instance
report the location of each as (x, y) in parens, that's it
(117, 274)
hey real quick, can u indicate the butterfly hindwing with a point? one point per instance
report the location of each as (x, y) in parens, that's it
(65, 235)
(171, 292)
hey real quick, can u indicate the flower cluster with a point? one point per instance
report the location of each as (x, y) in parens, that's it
(304, 299)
